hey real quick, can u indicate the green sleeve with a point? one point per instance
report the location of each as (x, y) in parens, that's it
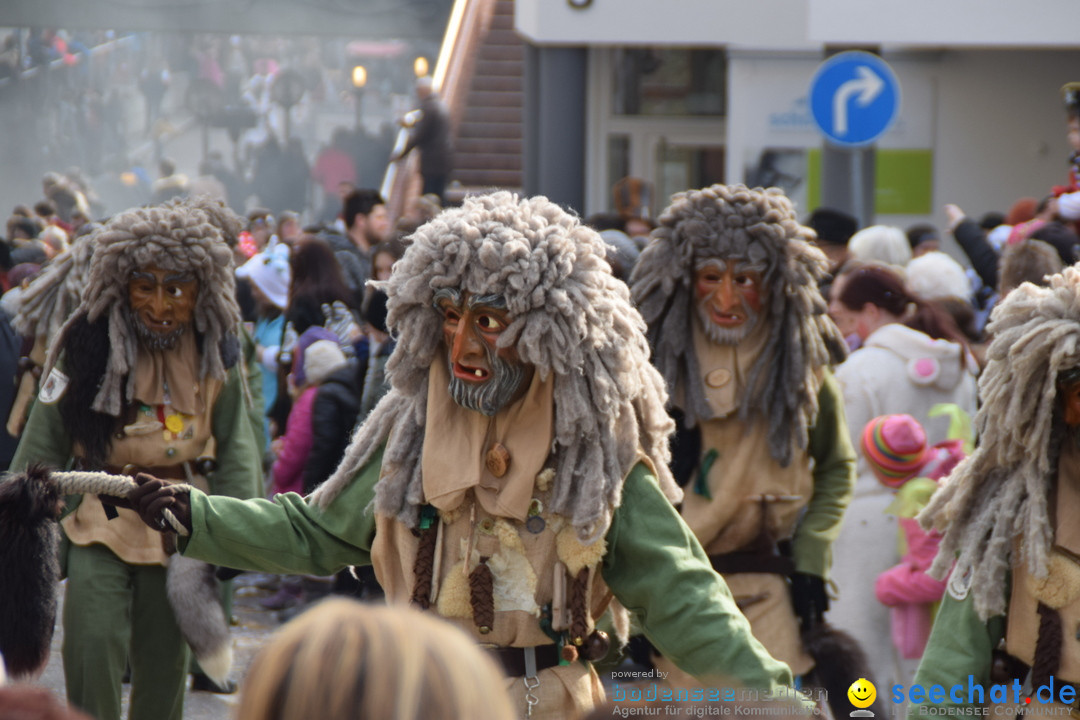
(255, 389)
(287, 534)
(239, 460)
(960, 645)
(656, 568)
(834, 483)
(44, 440)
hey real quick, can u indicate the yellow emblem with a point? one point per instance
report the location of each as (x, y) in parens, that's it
(862, 693)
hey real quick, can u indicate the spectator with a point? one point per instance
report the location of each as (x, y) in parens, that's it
(912, 358)
(317, 356)
(343, 660)
(431, 135)
(289, 229)
(170, 183)
(923, 238)
(367, 224)
(896, 450)
(23, 702)
(881, 243)
(334, 166)
(834, 229)
(1032, 261)
(933, 275)
(1061, 238)
(269, 277)
(317, 290)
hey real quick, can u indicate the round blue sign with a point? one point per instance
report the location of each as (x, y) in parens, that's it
(854, 98)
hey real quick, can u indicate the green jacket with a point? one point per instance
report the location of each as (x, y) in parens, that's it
(834, 482)
(653, 565)
(960, 645)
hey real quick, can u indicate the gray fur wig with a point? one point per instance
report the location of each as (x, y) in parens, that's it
(1001, 491)
(757, 225)
(54, 294)
(181, 237)
(571, 319)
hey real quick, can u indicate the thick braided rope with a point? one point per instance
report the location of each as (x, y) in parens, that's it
(102, 483)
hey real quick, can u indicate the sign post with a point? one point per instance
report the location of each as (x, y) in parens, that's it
(854, 99)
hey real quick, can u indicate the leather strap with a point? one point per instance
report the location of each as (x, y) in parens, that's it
(752, 562)
(512, 659)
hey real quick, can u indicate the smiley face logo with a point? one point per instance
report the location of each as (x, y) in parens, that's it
(862, 693)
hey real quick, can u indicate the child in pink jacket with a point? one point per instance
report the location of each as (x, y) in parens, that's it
(318, 356)
(896, 450)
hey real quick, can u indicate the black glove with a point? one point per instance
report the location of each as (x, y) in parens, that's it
(809, 598)
(152, 496)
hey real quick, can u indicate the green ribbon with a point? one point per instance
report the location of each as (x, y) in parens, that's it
(701, 484)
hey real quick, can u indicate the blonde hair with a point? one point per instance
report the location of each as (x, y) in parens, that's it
(343, 660)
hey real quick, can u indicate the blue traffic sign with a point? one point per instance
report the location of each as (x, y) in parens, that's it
(854, 98)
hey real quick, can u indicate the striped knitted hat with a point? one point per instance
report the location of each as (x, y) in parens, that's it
(895, 448)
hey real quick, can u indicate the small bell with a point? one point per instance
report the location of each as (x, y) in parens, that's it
(596, 646)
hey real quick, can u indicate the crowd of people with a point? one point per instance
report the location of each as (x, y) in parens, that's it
(725, 439)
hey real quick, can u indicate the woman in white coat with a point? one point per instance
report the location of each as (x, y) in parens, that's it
(911, 358)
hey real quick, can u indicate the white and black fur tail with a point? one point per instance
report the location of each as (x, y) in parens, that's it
(195, 597)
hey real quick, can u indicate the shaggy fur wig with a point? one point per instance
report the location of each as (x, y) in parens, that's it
(571, 319)
(179, 237)
(1001, 491)
(52, 296)
(758, 225)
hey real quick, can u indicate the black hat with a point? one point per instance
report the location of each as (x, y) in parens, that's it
(833, 227)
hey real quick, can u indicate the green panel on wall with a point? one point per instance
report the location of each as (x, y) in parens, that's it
(904, 182)
(813, 179)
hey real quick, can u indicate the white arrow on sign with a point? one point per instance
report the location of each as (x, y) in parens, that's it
(867, 86)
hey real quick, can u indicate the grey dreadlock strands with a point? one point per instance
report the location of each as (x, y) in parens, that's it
(1001, 491)
(181, 236)
(52, 296)
(759, 225)
(571, 319)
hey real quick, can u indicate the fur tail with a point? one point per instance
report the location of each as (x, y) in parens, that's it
(195, 598)
(30, 505)
(839, 661)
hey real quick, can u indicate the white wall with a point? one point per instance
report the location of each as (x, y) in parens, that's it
(763, 23)
(1001, 127)
(953, 23)
(802, 24)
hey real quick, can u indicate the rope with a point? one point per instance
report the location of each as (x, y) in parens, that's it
(77, 482)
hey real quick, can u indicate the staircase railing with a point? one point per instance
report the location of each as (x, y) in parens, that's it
(469, 22)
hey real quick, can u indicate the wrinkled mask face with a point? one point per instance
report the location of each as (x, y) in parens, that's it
(1069, 391)
(161, 304)
(728, 294)
(483, 377)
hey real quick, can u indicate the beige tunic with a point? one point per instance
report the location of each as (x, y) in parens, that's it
(525, 566)
(751, 493)
(160, 435)
(497, 512)
(1061, 589)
